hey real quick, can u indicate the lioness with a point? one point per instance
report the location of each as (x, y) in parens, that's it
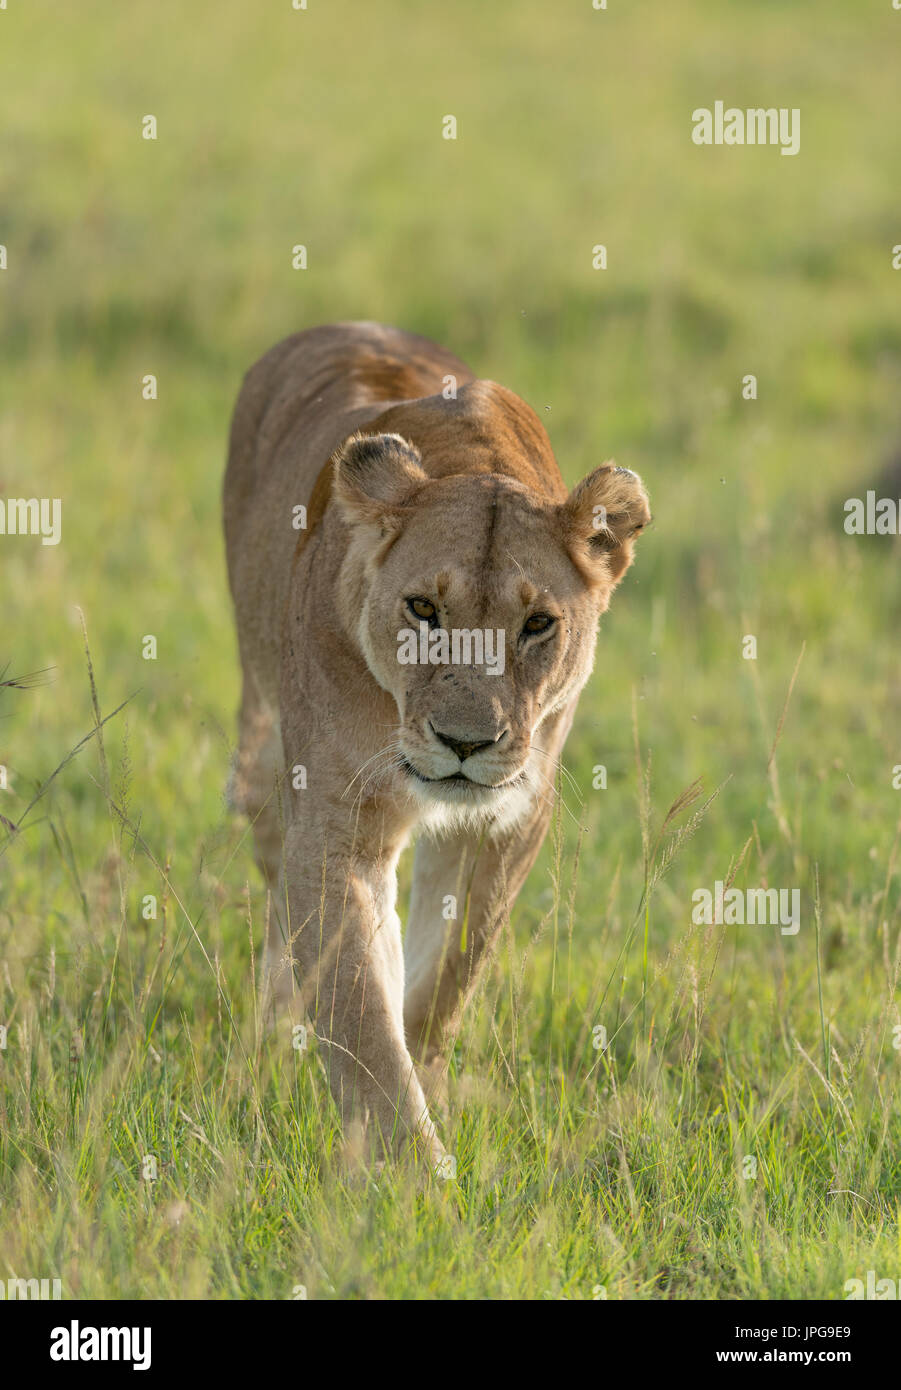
(377, 492)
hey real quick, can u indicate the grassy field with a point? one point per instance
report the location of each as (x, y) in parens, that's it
(581, 1173)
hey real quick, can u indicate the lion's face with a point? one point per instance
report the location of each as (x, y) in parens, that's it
(479, 630)
(476, 604)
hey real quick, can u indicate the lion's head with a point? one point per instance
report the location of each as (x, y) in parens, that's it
(475, 602)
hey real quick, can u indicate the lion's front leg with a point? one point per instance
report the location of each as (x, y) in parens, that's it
(347, 944)
(464, 887)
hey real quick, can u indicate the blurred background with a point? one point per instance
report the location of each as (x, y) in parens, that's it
(323, 127)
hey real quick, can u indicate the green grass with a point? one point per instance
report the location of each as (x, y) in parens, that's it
(577, 1169)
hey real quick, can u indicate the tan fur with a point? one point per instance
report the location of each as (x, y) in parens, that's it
(459, 501)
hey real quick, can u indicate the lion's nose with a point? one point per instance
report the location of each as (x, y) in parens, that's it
(464, 746)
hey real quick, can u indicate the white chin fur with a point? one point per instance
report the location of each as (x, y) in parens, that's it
(446, 811)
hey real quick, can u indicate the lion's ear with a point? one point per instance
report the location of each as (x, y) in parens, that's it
(374, 476)
(603, 514)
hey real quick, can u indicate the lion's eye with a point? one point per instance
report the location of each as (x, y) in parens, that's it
(422, 609)
(539, 622)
